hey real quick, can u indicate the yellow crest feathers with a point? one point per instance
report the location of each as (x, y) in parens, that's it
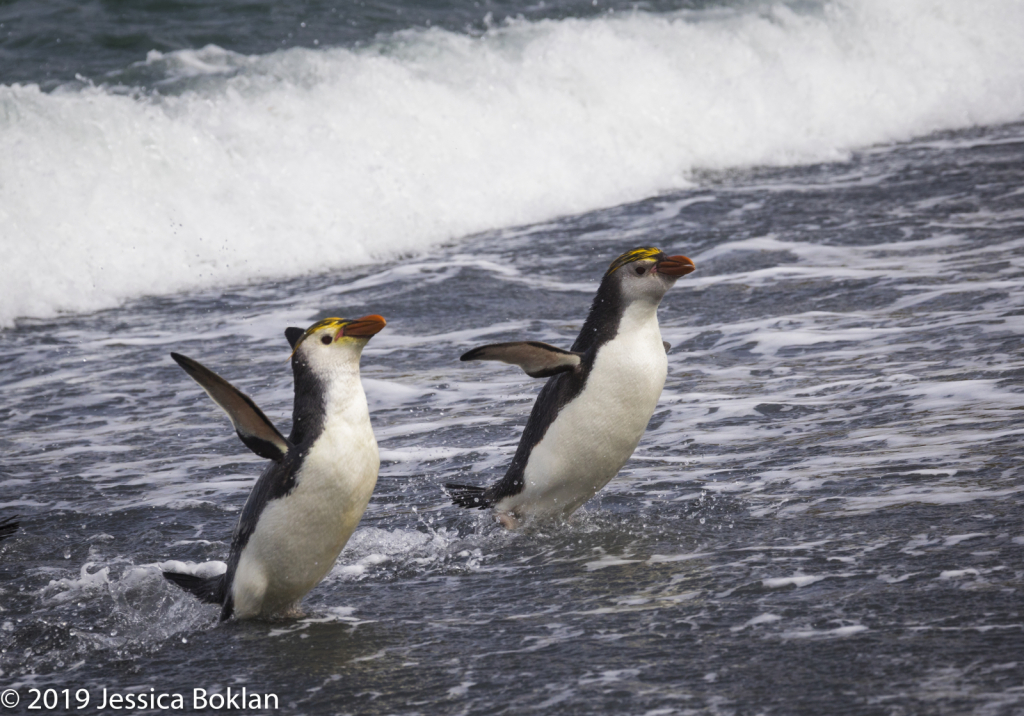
(637, 254)
(325, 323)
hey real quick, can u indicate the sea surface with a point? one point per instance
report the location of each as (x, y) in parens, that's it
(826, 514)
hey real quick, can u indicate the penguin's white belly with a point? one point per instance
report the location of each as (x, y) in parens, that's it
(299, 536)
(595, 434)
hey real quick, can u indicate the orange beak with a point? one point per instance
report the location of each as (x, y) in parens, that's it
(675, 266)
(363, 327)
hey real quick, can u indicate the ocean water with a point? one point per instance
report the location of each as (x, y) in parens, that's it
(825, 515)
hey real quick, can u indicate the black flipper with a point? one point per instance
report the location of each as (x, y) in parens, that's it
(208, 589)
(8, 526)
(539, 360)
(469, 496)
(667, 345)
(253, 427)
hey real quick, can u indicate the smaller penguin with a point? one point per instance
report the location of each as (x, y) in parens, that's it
(8, 526)
(590, 415)
(308, 501)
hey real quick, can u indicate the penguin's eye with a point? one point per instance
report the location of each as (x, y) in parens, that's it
(326, 340)
(640, 270)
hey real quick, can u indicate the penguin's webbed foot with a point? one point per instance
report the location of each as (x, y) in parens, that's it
(507, 520)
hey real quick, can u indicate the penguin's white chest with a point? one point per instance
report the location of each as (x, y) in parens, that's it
(299, 536)
(595, 434)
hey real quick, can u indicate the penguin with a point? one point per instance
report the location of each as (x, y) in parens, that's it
(8, 526)
(309, 499)
(599, 397)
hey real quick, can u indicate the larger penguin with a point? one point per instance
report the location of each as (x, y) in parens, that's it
(602, 392)
(308, 501)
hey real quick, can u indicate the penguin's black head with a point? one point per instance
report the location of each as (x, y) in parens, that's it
(333, 339)
(646, 273)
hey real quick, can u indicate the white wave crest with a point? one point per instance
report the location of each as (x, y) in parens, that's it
(309, 160)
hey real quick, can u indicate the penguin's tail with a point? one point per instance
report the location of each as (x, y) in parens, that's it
(208, 589)
(469, 496)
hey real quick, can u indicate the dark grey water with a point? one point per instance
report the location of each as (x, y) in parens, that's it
(50, 42)
(824, 516)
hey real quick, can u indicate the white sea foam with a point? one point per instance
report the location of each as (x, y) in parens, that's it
(824, 633)
(306, 160)
(372, 548)
(756, 621)
(213, 568)
(799, 580)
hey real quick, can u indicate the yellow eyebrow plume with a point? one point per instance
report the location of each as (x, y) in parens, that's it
(638, 254)
(325, 323)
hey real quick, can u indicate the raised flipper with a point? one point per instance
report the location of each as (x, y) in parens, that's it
(539, 360)
(667, 345)
(252, 426)
(8, 526)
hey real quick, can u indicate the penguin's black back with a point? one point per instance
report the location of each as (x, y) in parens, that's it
(602, 322)
(601, 326)
(309, 411)
(276, 481)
